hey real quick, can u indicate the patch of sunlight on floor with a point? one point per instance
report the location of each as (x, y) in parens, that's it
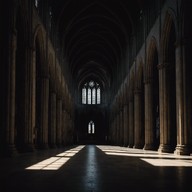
(54, 163)
(169, 162)
(152, 157)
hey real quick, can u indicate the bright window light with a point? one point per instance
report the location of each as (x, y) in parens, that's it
(91, 93)
(54, 163)
(91, 127)
(98, 96)
(152, 157)
(84, 96)
(169, 162)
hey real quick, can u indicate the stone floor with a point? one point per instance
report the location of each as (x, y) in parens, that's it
(96, 168)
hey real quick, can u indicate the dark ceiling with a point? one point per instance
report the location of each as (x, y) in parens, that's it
(94, 36)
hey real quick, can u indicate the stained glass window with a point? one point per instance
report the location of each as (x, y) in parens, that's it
(93, 96)
(91, 93)
(91, 128)
(84, 96)
(89, 96)
(98, 96)
(36, 3)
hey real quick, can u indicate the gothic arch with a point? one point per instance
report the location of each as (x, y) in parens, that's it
(39, 42)
(151, 51)
(168, 25)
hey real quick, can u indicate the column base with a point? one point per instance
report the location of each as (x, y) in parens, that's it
(149, 147)
(130, 146)
(138, 146)
(125, 145)
(164, 148)
(182, 150)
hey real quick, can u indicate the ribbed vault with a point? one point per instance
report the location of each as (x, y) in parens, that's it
(94, 36)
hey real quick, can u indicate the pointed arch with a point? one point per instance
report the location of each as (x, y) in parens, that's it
(168, 25)
(151, 52)
(91, 127)
(39, 42)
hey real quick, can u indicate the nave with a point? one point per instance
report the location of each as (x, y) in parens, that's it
(95, 168)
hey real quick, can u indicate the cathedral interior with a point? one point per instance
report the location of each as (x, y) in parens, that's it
(93, 79)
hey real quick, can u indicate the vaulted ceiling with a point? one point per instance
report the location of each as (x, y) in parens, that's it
(94, 36)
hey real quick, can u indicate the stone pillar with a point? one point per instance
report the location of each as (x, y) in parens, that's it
(121, 127)
(149, 125)
(64, 127)
(44, 111)
(115, 129)
(165, 144)
(111, 128)
(33, 96)
(131, 124)
(29, 99)
(67, 127)
(53, 119)
(10, 125)
(183, 132)
(138, 120)
(126, 126)
(58, 123)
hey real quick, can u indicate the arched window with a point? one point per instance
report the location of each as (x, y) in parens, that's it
(91, 128)
(91, 93)
(84, 95)
(37, 3)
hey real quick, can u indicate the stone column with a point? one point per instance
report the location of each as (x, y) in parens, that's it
(115, 129)
(10, 125)
(126, 126)
(67, 128)
(183, 132)
(44, 111)
(138, 119)
(165, 144)
(53, 119)
(149, 125)
(111, 128)
(58, 123)
(131, 124)
(121, 127)
(64, 126)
